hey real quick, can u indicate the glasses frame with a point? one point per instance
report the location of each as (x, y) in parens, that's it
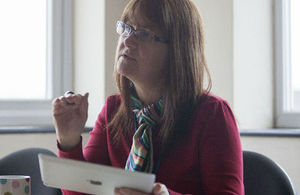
(128, 30)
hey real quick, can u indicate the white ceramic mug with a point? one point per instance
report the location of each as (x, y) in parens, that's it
(15, 185)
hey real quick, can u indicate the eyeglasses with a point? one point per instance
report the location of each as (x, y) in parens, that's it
(141, 35)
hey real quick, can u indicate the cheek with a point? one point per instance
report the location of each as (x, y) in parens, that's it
(159, 57)
(165, 56)
(162, 61)
(154, 64)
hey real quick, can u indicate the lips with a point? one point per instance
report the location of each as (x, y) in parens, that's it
(127, 56)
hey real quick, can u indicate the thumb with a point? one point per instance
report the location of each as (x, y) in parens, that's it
(157, 188)
(160, 189)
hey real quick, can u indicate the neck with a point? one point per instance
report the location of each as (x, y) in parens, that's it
(149, 94)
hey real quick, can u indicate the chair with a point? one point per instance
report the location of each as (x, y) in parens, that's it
(262, 176)
(25, 162)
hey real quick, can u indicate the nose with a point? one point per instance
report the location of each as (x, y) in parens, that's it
(130, 41)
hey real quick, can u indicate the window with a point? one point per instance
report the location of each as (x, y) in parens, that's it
(288, 63)
(295, 57)
(24, 40)
(36, 59)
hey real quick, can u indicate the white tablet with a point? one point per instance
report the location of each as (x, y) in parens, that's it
(90, 178)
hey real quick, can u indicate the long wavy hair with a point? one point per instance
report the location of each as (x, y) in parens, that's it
(181, 23)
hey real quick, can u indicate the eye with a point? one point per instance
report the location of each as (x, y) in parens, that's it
(128, 29)
(142, 35)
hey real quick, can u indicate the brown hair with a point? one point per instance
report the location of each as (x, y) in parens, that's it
(181, 23)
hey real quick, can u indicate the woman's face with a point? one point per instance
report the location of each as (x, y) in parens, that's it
(142, 61)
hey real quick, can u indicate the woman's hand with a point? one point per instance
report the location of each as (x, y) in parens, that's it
(158, 189)
(70, 115)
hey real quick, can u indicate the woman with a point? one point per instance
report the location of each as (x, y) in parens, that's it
(163, 121)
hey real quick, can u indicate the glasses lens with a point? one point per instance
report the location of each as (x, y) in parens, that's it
(120, 27)
(142, 35)
(128, 30)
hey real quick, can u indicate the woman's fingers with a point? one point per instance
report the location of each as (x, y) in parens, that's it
(66, 104)
(72, 99)
(160, 189)
(156, 189)
(59, 106)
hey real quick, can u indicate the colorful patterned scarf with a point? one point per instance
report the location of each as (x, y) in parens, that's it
(140, 157)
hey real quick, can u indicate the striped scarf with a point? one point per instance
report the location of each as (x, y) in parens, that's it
(140, 157)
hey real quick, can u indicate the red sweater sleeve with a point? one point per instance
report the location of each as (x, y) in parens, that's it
(171, 192)
(221, 161)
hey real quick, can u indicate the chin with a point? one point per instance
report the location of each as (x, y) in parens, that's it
(126, 69)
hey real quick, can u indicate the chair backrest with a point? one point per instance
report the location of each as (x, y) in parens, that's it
(262, 176)
(25, 162)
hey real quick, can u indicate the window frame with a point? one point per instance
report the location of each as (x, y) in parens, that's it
(59, 71)
(284, 117)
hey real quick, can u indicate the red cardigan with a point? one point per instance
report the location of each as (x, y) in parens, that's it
(207, 161)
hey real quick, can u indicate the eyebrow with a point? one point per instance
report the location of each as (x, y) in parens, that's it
(146, 26)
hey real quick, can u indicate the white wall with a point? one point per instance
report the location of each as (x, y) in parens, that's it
(218, 26)
(89, 53)
(253, 86)
(239, 50)
(94, 42)
(113, 10)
